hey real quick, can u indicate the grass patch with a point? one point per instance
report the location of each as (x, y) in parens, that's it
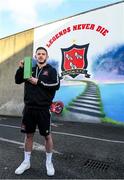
(100, 102)
(111, 121)
(65, 110)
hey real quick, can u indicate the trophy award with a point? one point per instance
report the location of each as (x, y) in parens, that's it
(27, 67)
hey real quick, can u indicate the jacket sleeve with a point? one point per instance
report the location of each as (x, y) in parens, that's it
(19, 76)
(52, 81)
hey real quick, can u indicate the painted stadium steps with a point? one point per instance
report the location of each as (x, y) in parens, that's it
(87, 105)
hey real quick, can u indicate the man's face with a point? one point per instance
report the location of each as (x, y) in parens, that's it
(41, 56)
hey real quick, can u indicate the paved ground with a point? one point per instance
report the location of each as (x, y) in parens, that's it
(82, 151)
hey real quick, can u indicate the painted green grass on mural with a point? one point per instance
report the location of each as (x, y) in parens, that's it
(111, 121)
(99, 97)
(65, 111)
(55, 116)
(100, 101)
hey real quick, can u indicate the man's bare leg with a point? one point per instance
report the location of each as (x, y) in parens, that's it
(49, 148)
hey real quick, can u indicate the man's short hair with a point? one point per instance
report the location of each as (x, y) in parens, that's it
(42, 48)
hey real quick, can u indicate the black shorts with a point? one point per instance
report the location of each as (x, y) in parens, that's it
(33, 117)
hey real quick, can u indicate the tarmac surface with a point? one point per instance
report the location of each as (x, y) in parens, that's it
(81, 151)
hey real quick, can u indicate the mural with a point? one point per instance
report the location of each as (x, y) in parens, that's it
(110, 65)
(87, 51)
(108, 69)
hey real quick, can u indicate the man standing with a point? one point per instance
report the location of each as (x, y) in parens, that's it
(39, 91)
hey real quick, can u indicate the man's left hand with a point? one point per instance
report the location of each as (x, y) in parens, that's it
(33, 80)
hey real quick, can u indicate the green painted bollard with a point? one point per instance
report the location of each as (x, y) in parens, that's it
(27, 67)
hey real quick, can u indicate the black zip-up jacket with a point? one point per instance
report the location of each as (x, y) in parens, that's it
(42, 94)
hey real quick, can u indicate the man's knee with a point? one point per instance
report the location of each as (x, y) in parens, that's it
(29, 136)
(48, 137)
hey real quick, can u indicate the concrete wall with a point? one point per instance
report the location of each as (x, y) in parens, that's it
(13, 49)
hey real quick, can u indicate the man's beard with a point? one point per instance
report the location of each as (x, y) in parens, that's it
(42, 62)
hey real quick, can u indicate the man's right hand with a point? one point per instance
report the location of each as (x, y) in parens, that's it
(21, 63)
